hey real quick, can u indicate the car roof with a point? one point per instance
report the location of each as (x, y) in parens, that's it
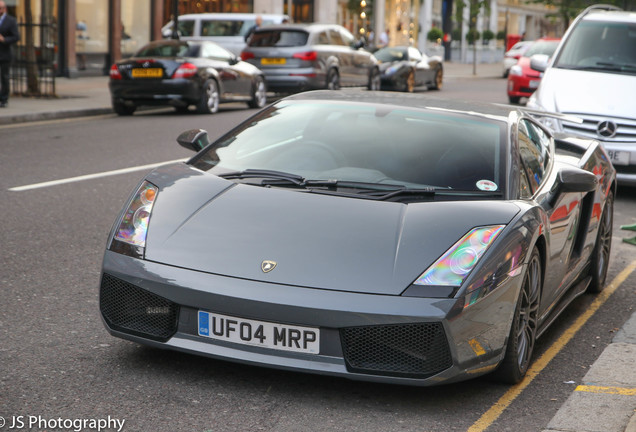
(611, 15)
(302, 26)
(229, 16)
(410, 100)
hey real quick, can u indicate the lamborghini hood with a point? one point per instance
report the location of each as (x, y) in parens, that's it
(205, 223)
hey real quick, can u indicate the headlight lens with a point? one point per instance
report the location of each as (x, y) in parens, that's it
(134, 225)
(516, 70)
(455, 265)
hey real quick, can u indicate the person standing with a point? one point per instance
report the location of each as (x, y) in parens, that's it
(9, 35)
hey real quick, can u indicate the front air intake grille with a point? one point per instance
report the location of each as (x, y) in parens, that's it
(130, 309)
(625, 131)
(409, 350)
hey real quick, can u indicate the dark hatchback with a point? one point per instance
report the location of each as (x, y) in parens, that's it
(184, 73)
(302, 57)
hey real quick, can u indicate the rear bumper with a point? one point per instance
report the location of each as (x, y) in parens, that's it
(294, 80)
(155, 92)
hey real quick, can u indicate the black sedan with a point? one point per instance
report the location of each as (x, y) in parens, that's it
(375, 236)
(406, 68)
(184, 73)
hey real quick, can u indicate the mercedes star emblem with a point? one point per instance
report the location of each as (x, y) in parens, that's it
(267, 266)
(606, 129)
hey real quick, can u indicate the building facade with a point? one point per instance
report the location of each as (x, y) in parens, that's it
(86, 36)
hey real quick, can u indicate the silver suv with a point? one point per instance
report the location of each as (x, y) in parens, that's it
(592, 76)
(298, 57)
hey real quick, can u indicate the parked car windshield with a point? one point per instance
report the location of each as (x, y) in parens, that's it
(279, 38)
(390, 54)
(169, 49)
(603, 46)
(368, 143)
(542, 47)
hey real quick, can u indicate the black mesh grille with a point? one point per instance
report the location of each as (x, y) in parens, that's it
(410, 350)
(133, 310)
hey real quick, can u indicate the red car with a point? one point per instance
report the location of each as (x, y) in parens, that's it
(522, 79)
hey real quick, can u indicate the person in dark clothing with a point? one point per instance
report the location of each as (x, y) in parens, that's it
(259, 22)
(9, 35)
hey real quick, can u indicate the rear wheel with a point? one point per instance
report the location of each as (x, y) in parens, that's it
(600, 255)
(259, 94)
(375, 80)
(209, 101)
(523, 331)
(123, 109)
(409, 83)
(333, 80)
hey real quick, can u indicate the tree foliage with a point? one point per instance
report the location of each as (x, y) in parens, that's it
(567, 10)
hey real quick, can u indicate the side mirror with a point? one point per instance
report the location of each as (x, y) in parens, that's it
(358, 44)
(194, 139)
(539, 62)
(576, 180)
(233, 60)
(572, 180)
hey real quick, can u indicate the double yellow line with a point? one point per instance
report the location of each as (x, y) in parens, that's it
(490, 416)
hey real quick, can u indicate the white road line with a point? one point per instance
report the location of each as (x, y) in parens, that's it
(92, 176)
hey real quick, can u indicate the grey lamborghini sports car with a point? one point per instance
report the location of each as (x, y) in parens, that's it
(376, 236)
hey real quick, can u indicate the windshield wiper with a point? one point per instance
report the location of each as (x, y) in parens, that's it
(265, 174)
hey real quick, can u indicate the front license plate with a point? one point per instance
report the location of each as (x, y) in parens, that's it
(619, 157)
(273, 61)
(534, 84)
(259, 333)
(147, 73)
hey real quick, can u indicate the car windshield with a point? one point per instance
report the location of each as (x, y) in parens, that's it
(168, 50)
(542, 47)
(374, 144)
(390, 54)
(279, 38)
(600, 46)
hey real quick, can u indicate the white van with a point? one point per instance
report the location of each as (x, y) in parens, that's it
(226, 29)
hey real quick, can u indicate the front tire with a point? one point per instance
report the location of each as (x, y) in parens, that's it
(523, 331)
(210, 98)
(259, 94)
(601, 254)
(409, 83)
(514, 99)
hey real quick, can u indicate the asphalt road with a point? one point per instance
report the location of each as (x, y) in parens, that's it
(58, 362)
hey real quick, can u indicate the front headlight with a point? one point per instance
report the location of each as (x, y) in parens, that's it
(133, 227)
(454, 266)
(516, 70)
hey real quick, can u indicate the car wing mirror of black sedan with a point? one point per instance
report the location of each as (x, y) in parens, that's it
(194, 139)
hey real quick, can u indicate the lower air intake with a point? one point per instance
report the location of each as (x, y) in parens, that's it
(130, 309)
(408, 350)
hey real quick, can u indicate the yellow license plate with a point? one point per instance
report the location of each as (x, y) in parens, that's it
(147, 73)
(273, 61)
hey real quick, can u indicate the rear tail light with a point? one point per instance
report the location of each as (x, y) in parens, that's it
(246, 55)
(186, 70)
(307, 56)
(114, 72)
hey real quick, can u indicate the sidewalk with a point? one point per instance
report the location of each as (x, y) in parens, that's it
(606, 399)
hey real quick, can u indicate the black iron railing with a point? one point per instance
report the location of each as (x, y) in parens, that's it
(35, 59)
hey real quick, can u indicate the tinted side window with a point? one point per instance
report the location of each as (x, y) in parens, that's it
(534, 147)
(322, 38)
(347, 37)
(220, 27)
(336, 38)
(186, 27)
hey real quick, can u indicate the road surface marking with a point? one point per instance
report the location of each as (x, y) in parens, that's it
(490, 416)
(607, 390)
(92, 176)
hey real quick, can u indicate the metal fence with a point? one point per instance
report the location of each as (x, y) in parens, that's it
(35, 59)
